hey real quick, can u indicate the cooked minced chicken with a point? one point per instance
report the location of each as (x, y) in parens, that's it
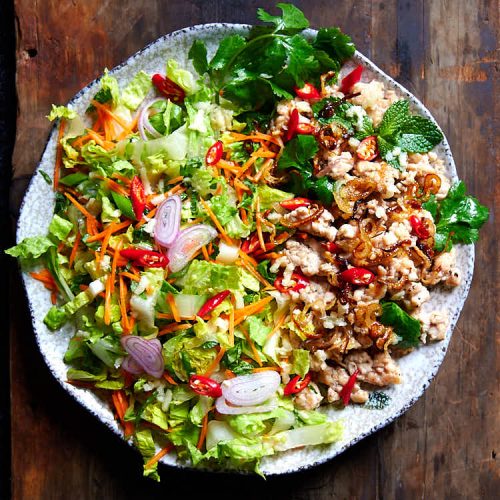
(340, 320)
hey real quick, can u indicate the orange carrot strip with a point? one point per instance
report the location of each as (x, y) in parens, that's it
(169, 379)
(265, 168)
(218, 225)
(123, 304)
(243, 215)
(229, 374)
(205, 253)
(80, 207)
(59, 152)
(259, 225)
(110, 113)
(170, 316)
(120, 177)
(266, 369)
(175, 180)
(74, 249)
(203, 433)
(102, 234)
(113, 265)
(252, 308)
(264, 154)
(252, 347)
(173, 307)
(215, 362)
(105, 240)
(159, 456)
(174, 327)
(278, 325)
(131, 276)
(246, 166)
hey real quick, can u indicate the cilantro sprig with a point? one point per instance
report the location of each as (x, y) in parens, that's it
(255, 71)
(458, 218)
(400, 131)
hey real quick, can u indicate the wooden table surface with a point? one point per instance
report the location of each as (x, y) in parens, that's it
(446, 446)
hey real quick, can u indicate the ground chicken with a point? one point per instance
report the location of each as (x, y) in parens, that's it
(379, 370)
(434, 325)
(444, 270)
(309, 398)
(383, 174)
(414, 294)
(337, 166)
(322, 226)
(335, 378)
(373, 99)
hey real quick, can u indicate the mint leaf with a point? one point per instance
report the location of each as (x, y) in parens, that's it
(198, 54)
(335, 44)
(393, 119)
(405, 326)
(291, 20)
(419, 135)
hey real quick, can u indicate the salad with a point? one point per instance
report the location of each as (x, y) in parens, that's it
(238, 246)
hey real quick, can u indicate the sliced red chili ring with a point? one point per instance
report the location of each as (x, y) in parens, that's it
(212, 303)
(331, 247)
(292, 125)
(308, 91)
(346, 391)
(250, 244)
(305, 129)
(295, 203)
(296, 384)
(137, 197)
(169, 88)
(205, 386)
(368, 148)
(358, 276)
(350, 79)
(214, 153)
(418, 227)
(300, 282)
(145, 258)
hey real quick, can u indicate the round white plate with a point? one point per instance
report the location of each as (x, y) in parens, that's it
(418, 368)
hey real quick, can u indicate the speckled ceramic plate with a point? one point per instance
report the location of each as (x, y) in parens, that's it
(418, 368)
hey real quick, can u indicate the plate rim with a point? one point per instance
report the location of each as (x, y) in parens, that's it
(468, 276)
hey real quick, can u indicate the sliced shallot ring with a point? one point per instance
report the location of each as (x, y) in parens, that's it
(168, 221)
(252, 389)
(225, 408)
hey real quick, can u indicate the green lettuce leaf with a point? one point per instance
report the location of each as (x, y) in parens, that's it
(61, 112)
(300, 362)
(405, 326)
(31, 248)
(137, 89)
(144, 442)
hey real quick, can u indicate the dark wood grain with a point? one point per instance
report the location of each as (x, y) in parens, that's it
(445, 446)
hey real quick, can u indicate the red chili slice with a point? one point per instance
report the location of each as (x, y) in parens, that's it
(212, 303)
(250, 244)
(305, 129)
(295, 203)
(205, 386)
(299, 278)
(169, 88)
(331, 247)
(145, 258)
(214, 153)
(349, 80)
(358, 276)
(296, 384)
(346, 391)
(308, 91)
(368, 148)
(138, 197)
(292, 125)
(418, 227)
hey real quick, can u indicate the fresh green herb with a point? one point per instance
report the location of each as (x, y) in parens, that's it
(46, 177)
(377, 400)
(458, 218)
(232, 360)
(73, 179)
(400, 131)
(296, 158)
(124, 205)
(209, 345)
(256, 71)
(405, 326)
(263, 269)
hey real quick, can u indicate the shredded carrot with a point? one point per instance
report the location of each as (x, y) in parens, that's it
(264, 154)
(258, 224)
(205, 253)
(203, 433)
(170, 316)
(218, 225)
(252, 347)
(53, 298)
(169, 379)
(72, 256)
(173, 307)
(266, 369)
(227, 166)
(248, 258)
(114, 186)
(121, 405)
(174, 327)
(159, 456)
(256, 307)
(265, 168)
(121, 177)
(123, 305)
(46, 278)
(79, 142)
(246, 166)
(57, 167)
(99, 140)
(150, 215)
(175, 180)
(256, 137)
(82, 209)
(110, 113)
(229, 374)
(102, 234)
(255, 273)
(243, 215)
(215, 362)
(131, 276)
(105, 240)
(278, 325)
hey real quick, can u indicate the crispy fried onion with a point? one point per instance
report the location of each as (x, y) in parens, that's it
(302, 320)
(332, 135)
(381, 335)
(325, 78)
(315, 212)
(336, 340)
(432, 184)
(367, 315)
(346, 194)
